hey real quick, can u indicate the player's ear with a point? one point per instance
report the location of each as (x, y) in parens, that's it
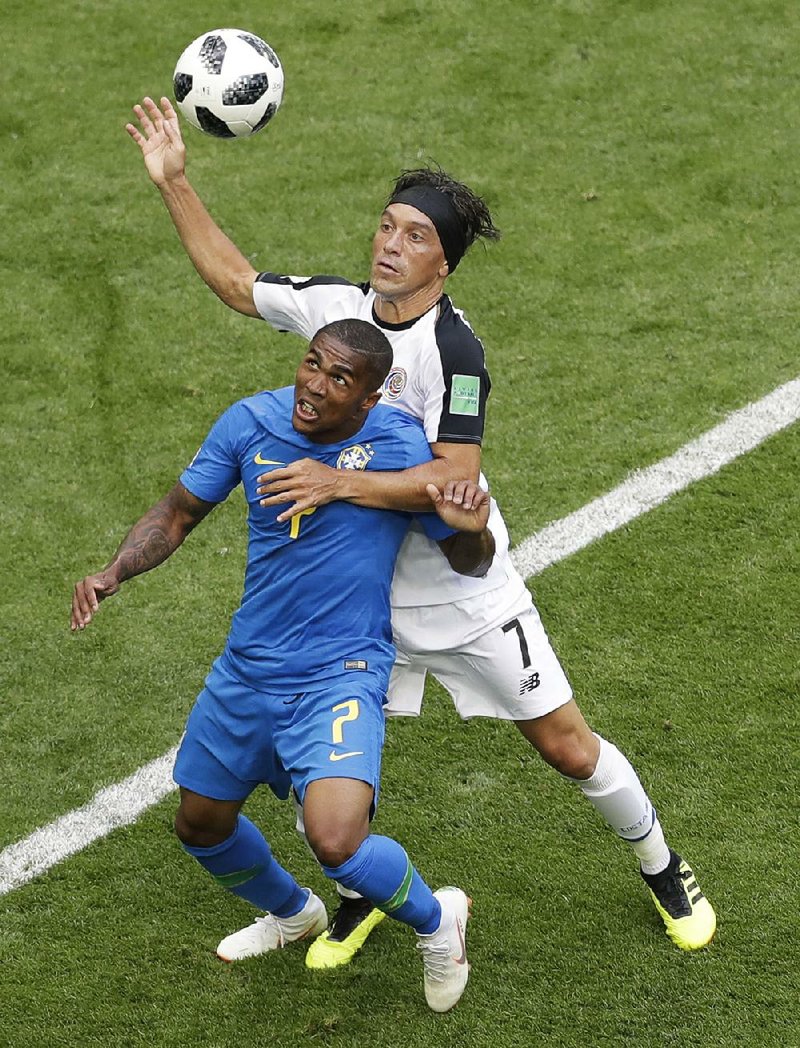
(444, 270)
(370, 401)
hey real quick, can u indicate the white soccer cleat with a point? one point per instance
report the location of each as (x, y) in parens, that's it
(271, 933)
(444, 952)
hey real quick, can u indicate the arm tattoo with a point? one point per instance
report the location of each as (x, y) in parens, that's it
(147, 544)
(159, 533)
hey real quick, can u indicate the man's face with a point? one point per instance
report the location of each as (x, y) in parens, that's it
(407, 254)
(333, 390)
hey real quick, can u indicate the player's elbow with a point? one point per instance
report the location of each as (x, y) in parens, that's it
(469, 554)
(454, 462)
(235, 289)
(473, 570)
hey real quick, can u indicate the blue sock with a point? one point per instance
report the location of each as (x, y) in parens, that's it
(245, 866)
(382, 872)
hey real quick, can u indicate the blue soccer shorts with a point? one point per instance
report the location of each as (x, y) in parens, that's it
(238, 738)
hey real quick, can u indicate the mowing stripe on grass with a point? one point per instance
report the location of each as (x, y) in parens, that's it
(647, 488)
(741, 431)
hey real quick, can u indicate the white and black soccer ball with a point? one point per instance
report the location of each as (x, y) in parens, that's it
(228, 83)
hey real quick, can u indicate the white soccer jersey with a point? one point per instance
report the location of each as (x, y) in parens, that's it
(439, 376)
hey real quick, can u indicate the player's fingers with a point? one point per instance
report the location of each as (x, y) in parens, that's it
(135, 134)
(483, 499)
(151, 107)
(74, 617)
(272, 481)
(472, 496)
(301, 500)
(285, 494)
(149, 116)
(171, 125)
(144, 120)
(297, 508)
(434, 494)
(81, 610)
(79, 600)
(140, 115)
(454, 491)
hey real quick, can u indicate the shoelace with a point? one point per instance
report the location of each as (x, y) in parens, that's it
(435, 958)
(673, 892)
(271, 921)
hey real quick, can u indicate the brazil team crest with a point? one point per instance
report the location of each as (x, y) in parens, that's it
(355, 457)
(395, 383)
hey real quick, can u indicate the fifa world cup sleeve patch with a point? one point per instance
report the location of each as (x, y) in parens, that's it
(464, 395)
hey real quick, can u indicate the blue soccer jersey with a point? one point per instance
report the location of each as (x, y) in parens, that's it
(316, 593)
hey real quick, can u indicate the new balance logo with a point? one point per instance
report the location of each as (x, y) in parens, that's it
(529, 683)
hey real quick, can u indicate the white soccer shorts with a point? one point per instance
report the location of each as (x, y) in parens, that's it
(508, 672)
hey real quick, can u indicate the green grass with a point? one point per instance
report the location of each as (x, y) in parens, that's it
(641, 160)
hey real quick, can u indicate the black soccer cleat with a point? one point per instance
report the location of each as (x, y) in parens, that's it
(349, 930)
(689, 917)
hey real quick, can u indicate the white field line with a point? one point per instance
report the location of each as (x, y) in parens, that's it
(122, 803)
(114, 806)
(647, 488)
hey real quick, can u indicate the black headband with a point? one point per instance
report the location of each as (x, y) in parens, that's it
(441, 211)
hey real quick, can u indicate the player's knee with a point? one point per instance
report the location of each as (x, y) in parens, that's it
(186, 831)
(570, 755)
(199, 828)
(564, 740)
(334, 845)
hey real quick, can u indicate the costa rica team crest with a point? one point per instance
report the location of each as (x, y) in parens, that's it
(356, 457)
(395, 383)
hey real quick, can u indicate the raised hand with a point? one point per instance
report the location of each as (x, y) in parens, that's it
(160, 140)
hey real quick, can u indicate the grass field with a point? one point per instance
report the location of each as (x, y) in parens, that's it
(642, 160)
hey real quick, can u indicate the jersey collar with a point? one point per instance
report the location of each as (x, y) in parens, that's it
(406, 324)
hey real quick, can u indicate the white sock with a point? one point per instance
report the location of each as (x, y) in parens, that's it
(616, 792)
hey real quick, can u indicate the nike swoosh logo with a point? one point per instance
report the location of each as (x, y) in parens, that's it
(341, 756)
(259, 461)
(463, 958)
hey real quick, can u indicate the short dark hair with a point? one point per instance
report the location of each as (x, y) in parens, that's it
(471, 209)
(366, 340)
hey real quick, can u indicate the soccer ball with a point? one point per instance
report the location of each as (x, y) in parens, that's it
(228, 83)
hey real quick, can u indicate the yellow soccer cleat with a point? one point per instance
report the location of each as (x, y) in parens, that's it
(688, 915)
(348, 932)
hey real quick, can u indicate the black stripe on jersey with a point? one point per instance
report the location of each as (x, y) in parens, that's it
(457, 438)
(461, 353)
(301, 285)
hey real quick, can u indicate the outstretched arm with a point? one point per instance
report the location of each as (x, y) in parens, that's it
(308, 483)
(465, 506)
(216, 258)
(149, 542)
